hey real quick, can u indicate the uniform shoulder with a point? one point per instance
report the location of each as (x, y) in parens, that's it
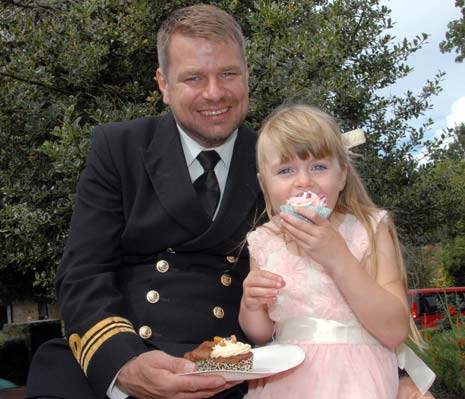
(137, 129)
(248, 132)
(133, 134)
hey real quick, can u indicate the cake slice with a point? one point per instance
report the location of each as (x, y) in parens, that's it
(226, 354)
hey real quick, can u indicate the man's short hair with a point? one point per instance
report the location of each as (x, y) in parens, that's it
(199, 20)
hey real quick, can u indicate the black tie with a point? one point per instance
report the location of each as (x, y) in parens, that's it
(206, 185)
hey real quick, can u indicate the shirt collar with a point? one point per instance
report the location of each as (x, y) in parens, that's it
(191, 148)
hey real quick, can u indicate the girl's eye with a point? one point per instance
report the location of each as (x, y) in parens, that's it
(284, 171)
(319, 167)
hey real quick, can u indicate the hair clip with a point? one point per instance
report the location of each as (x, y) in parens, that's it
(353, 138)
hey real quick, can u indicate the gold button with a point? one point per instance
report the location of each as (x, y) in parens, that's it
(145, 332)
(226, 280)
(163, 266)
(231, 259)
(153, 296)
(218, 312)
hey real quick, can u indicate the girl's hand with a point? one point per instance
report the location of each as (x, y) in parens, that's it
(320, 240)
(408, 390)
(260, 289)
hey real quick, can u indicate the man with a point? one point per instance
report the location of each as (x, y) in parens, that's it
(153, 264)
(146, 272)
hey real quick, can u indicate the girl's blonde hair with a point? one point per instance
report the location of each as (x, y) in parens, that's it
(300, 130)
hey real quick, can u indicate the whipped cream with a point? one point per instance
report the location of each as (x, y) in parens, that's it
(307, 198)
(227, 347)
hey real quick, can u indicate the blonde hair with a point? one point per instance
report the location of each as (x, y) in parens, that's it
(199, 20)
(300, 130)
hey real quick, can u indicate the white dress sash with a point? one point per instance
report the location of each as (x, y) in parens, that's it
(322, 331)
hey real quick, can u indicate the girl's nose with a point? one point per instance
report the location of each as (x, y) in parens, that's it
(304, 180)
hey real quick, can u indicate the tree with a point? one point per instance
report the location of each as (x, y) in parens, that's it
(445, 178)
(453, 256)
(451, 145)
(455, 36)
(66, 66)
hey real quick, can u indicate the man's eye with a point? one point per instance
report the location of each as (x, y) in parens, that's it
(192, 79)
(229, 74)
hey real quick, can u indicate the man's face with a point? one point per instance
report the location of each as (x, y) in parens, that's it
(206, 85)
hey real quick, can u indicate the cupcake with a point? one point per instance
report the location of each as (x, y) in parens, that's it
(310, 200)
(222, 354)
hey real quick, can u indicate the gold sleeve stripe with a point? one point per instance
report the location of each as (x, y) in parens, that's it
(100, 341)
(102, 324)
(84, 348)
(91, 346)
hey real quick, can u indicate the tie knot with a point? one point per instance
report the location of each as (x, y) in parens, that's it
(208, 159)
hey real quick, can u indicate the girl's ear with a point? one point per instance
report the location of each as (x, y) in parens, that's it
(259, 178)
(344, 172)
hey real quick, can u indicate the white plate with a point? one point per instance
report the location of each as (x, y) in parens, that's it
(267, 360)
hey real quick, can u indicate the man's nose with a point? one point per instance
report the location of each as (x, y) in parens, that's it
(214, 90)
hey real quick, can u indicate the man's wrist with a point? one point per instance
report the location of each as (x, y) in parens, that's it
(115, 391)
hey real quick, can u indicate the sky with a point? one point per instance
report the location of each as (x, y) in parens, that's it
(410, 18)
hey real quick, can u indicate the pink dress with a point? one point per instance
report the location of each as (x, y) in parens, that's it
(343, 360)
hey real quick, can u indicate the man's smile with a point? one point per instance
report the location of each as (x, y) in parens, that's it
(214, 112)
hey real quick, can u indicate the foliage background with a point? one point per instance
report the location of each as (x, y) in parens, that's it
(445, 351)
(67, 66)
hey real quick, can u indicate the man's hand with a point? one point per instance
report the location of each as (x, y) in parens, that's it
(153, 375)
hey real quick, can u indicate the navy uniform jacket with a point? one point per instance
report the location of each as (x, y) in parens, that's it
(144, 267)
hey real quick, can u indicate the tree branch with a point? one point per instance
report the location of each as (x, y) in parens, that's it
(35, 82)
(27, 6)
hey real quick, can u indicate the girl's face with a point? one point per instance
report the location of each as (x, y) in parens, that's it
(283, 180)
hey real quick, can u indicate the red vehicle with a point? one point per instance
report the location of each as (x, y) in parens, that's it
(429, 305)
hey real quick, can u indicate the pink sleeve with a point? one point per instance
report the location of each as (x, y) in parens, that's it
(359, 245)
(380, 216)
(256, 241)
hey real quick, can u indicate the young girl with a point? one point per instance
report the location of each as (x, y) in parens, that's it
(335, 287)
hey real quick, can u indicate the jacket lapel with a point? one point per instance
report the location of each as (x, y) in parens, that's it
(166, 166)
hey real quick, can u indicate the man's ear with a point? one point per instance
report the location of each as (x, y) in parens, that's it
(163, 85)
